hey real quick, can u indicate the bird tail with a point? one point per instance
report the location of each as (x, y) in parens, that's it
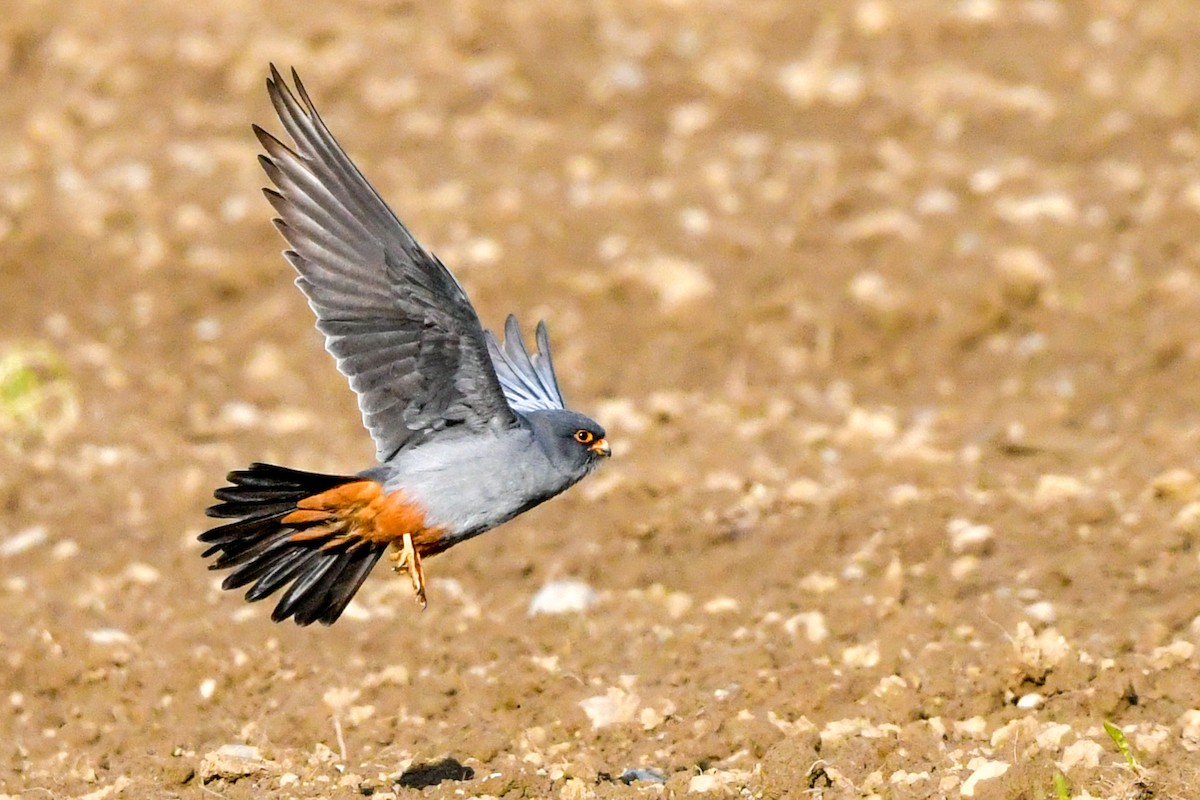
(278, 538)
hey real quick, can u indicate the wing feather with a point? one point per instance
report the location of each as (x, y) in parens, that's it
(528, 380)
(395, 319)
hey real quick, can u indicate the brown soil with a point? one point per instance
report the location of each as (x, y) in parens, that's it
(891, 309)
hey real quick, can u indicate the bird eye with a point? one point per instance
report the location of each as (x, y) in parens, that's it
(584, 437)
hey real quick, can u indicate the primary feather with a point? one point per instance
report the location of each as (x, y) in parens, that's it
(399, 325)
(528, 380)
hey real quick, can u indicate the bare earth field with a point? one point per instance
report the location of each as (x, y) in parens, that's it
(891, 310)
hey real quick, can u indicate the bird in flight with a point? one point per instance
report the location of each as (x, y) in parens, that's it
(469, 431)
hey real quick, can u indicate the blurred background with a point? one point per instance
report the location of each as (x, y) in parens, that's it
(889, 308)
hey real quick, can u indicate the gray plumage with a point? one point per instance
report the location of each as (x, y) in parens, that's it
(470, 430)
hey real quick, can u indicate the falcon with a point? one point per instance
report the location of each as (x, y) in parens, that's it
(469, 431)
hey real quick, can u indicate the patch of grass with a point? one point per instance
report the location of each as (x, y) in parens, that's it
(37, 398)
(1062, 790)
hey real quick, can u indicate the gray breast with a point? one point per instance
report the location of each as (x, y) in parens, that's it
(473, 482)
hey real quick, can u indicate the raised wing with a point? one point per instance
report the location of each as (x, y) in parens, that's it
(528, 380)
(398, 323)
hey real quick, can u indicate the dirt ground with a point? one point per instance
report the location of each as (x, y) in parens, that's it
(891, 311)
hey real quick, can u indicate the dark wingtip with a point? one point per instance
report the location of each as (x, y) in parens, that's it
(263, 136)
(303, 93)
(542, 337)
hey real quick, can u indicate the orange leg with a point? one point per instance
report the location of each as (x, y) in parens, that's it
(408, 560)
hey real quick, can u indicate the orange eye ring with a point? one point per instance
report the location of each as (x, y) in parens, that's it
(584, 437)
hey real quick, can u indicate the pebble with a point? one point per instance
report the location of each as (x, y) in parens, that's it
(1177, 652)
(717, 780)
(816, 630)
(1189, 724)
(613, 707)
(1028, 702)
(22, 541)
(1054, 489)
(1084, 753)
(562, 597)
(233, 761)
(966, 536)
(677, 281)
(721, 605)
(1024, 273)
(1042, 611)
(1187, 519)
(861, 655)
(984, 770)
(108, 636)
(649, 775)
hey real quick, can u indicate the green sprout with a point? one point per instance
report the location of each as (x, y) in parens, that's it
(1118, 737)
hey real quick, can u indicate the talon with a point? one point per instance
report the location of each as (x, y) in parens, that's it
(408, 560)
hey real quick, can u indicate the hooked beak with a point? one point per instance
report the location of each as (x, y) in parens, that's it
(601, 448)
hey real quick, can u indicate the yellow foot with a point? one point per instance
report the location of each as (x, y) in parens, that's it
(408, 560)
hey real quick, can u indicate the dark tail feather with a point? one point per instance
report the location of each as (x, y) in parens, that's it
(325, 571)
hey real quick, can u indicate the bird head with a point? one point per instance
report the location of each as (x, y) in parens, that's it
(573, 441)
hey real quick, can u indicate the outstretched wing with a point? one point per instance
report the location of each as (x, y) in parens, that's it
(398, 323)
(528, 380)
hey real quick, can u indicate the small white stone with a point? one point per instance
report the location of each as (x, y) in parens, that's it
(1054, 489)
(240, 751)
(108, 636)
(861, 655)
(873, 17)
(1042, 651)
(1173, 654)
(614, 706)
(966, 536)
(141, 574)
(1084, 753)
(650, 718)
(1024, 273)
(340, 697)
(984, 770)
(963, 567)
(1042, 611)
(1050, 738)
(483, 250)
(818, 583)
(1030, 701)
(233, 761)
(723, 780)
(677, 281)
(67, 548)
(816, 630)
(678, 604)
(562, 597)
(721, 605)
(975, 727)
(208, 329)
(208, 688)
(1187, 519)
(1189, 723)
(240, 415)
(22, 541)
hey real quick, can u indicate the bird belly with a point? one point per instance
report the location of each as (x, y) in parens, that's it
(467, 488)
